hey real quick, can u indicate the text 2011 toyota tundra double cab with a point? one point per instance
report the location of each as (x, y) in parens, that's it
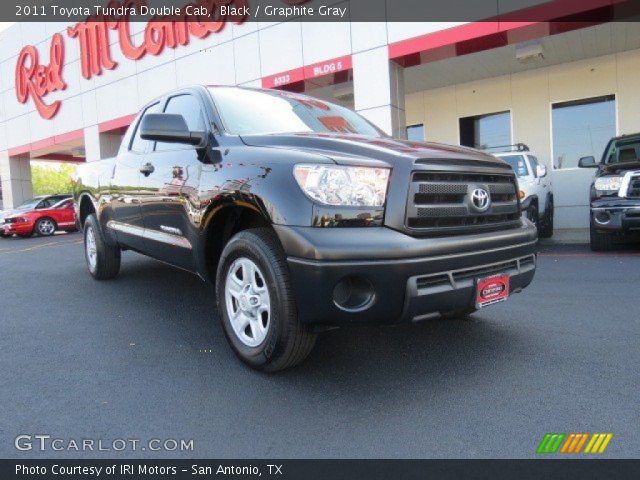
(304, 216)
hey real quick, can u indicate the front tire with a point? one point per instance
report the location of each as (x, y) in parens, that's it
(45, 227)
(103, 260)
(600, 242)
(532, 214)
(546, 229)
(256, 303)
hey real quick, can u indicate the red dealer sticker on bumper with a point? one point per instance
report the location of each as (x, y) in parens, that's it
(492, 290)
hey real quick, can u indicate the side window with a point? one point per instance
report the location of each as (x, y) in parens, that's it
(533, 161)
(189, 107)
(139, 145)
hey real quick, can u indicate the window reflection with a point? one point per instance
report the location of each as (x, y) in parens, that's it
(582, 128)
(486, 131)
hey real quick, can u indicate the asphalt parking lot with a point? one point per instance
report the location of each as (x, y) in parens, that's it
(144, 357)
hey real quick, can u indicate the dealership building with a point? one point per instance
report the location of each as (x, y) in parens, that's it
(563, 88)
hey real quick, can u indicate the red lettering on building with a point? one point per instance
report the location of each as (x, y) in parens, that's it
(95, 53)
(159, 33)
(37, 81)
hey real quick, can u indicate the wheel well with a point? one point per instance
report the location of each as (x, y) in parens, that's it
(225, 224)
(86, 209)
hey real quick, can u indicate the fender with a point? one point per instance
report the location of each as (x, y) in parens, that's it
(526, 203)
(108, 233)
(221, 210)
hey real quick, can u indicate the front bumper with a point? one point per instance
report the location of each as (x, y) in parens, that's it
(17, 228)
(411, 278)
(616, 214)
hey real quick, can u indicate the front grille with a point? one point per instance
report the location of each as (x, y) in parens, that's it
(10, 220)
(439, 203)
(634, 187)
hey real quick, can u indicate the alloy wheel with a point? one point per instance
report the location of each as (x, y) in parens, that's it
(91, 250)
(46, 227)
(247, 302)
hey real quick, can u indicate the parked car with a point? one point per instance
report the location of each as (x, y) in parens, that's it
(615, 192)
(535, 189)
(305, 216)
(42, 216)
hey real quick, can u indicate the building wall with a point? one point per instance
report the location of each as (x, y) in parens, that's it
(240, 54)
(529, 96)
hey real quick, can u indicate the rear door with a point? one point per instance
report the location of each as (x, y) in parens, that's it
(171, 188)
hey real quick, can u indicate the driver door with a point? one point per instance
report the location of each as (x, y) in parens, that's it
(170, 187)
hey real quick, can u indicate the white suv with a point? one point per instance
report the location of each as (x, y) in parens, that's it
(536, 193)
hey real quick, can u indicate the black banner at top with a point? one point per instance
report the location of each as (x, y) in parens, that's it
(320, 10)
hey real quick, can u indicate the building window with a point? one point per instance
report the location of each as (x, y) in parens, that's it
(415, 133)
(486, 131)
(582, 128)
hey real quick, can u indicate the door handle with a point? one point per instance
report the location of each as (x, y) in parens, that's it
(147, 169)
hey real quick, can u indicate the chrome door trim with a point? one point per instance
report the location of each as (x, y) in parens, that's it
(147, 234)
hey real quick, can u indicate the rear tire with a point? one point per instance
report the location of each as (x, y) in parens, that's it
(268, 336)
(600, 242)
(103, 260)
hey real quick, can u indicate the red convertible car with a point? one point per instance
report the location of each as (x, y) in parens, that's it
(41, 215)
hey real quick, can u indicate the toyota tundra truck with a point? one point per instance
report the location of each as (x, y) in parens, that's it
(615, 192)
(304, 216)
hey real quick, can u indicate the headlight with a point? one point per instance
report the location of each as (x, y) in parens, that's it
(608, 184)
(345, 186)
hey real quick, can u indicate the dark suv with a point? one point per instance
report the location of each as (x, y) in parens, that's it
(305, 216)
(615, 191)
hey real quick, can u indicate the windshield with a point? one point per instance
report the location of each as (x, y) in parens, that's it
(623, 151)
(253, 112)
(517, 163)
(29, 204)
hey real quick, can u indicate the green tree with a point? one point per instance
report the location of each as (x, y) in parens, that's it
(48, 180)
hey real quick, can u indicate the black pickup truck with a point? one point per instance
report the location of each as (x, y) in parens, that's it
(615, 192)
(305, 216)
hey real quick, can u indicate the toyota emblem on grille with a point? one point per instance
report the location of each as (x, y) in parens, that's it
(480, 199)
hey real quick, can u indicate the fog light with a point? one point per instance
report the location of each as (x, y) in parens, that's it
(353, 294)
(603, 217)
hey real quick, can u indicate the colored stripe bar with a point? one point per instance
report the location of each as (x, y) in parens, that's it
(583, 439)
(551, 442)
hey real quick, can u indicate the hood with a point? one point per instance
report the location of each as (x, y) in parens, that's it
(613, 168)
(356, 149)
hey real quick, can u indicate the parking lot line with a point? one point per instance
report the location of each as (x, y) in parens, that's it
(38, 247)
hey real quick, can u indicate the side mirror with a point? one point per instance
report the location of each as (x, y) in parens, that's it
(541, 171)
(170, 128)
(587, 162)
